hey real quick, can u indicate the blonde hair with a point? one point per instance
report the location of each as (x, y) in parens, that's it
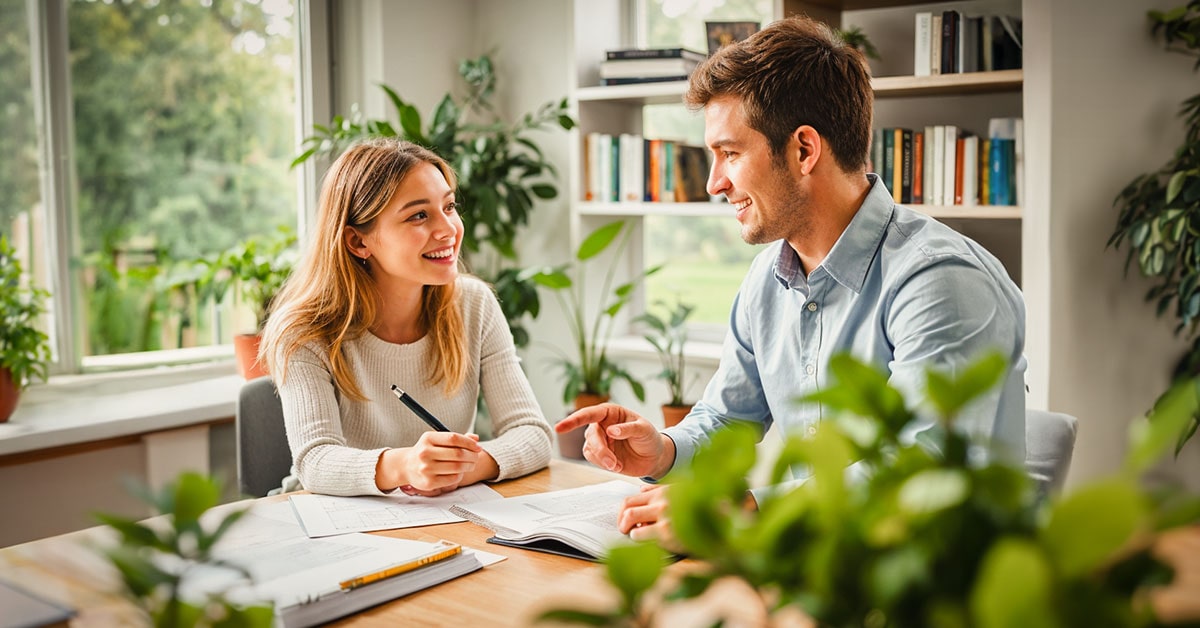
(330, 297)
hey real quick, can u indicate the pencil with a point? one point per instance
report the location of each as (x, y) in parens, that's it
(364, 580)
(419, 410)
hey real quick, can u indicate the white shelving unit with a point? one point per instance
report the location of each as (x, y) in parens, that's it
(966, 100)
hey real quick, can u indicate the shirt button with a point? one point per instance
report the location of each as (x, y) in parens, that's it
(812, 307)
(812, 430)
(810, 369)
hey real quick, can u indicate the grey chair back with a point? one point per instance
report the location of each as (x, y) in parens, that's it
(1049, 443)
(263, 455)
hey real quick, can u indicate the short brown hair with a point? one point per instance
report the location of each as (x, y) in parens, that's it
(795, 72)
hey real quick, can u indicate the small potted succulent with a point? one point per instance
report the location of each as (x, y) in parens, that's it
(24, 347)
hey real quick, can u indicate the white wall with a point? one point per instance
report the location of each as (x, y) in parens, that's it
(1113, 94)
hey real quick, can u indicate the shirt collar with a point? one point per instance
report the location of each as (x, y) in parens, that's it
(854, 250)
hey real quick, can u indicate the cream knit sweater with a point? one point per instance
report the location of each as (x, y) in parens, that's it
(336, 441)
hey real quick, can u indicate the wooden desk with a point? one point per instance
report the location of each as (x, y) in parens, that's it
(509, 593)
(63, 570)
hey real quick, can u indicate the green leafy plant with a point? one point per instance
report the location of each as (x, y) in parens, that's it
(24, 347)
(926, 538)
(255, 269)
(501, 171)
(668, 334)
(1160, 212)
(590, 371)
(857, 39)
(155, 560)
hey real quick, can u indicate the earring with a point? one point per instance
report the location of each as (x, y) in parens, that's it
(363, 261)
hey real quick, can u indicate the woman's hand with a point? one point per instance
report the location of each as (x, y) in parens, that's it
(436, 464)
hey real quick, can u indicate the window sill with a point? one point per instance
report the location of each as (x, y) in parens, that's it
(698, 353)
(70, 410)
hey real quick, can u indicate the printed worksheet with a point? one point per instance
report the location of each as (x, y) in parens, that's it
(326, 515)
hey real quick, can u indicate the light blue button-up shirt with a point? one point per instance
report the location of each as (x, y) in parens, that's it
(899, 290)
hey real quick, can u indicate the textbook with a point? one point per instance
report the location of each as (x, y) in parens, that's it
(578, 522)
(313, 581)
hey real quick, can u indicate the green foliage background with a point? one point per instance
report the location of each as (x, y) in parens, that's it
(182, 145)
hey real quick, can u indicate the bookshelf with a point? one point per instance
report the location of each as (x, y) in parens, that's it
(966, 100)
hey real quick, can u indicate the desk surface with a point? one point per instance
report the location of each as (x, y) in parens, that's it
(504, 594)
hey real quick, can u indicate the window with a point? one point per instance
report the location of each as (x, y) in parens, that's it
(705, 256)
(172, 126)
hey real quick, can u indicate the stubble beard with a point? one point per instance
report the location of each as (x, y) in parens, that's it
(787, 216)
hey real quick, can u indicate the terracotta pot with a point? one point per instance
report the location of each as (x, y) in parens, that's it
(245, 349)
(672, 415)
(9, 393)
(570, 444)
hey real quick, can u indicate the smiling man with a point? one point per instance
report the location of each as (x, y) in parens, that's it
(788, 119)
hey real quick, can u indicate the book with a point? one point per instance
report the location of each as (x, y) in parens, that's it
(313, 581)
(577, 522)
(921, 42)
(906, 165)
(950, 61)
(918, 168)
(691, 174)
(22, 608)
(645, 68)
(643, 79)
(935, 44)
(654, 53)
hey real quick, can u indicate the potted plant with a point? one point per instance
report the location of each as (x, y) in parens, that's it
(24, 347)
(668, 335)
(256, 269)
(928, 538)
(253, 270)
(589, 374)
(1159, 212)
(501, 170)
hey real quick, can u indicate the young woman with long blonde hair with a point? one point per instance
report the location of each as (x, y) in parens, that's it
(378, 300)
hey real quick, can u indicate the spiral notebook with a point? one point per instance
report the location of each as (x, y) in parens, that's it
(578, 522)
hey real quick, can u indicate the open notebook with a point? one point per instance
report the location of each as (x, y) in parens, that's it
(578, 522)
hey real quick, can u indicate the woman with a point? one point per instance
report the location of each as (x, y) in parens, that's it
(378, 301)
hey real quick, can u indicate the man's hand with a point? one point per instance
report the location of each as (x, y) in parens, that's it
(644, 518)
(621, 441)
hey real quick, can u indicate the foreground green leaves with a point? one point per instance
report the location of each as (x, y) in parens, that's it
(921, 538)
(153, 560)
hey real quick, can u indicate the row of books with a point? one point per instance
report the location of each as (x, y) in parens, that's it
(947, 165)
(648, 65)
(950, 43)
(630, 168)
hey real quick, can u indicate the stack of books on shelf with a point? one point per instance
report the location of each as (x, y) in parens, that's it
(630, 168)
(948, 165)
(648, 65)
(951, 42)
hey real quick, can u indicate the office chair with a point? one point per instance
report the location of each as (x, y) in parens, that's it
(263, 455)
(1049, 443)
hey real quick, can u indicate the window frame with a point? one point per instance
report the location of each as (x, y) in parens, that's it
(54, 117)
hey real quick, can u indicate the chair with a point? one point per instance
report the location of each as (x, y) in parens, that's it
(1049, 443)
(263, 455)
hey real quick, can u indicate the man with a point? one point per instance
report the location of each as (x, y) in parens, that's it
(788, 119)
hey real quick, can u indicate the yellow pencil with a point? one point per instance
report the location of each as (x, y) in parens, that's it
(364, 580)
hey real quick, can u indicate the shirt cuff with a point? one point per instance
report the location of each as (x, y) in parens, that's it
(653, 480)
